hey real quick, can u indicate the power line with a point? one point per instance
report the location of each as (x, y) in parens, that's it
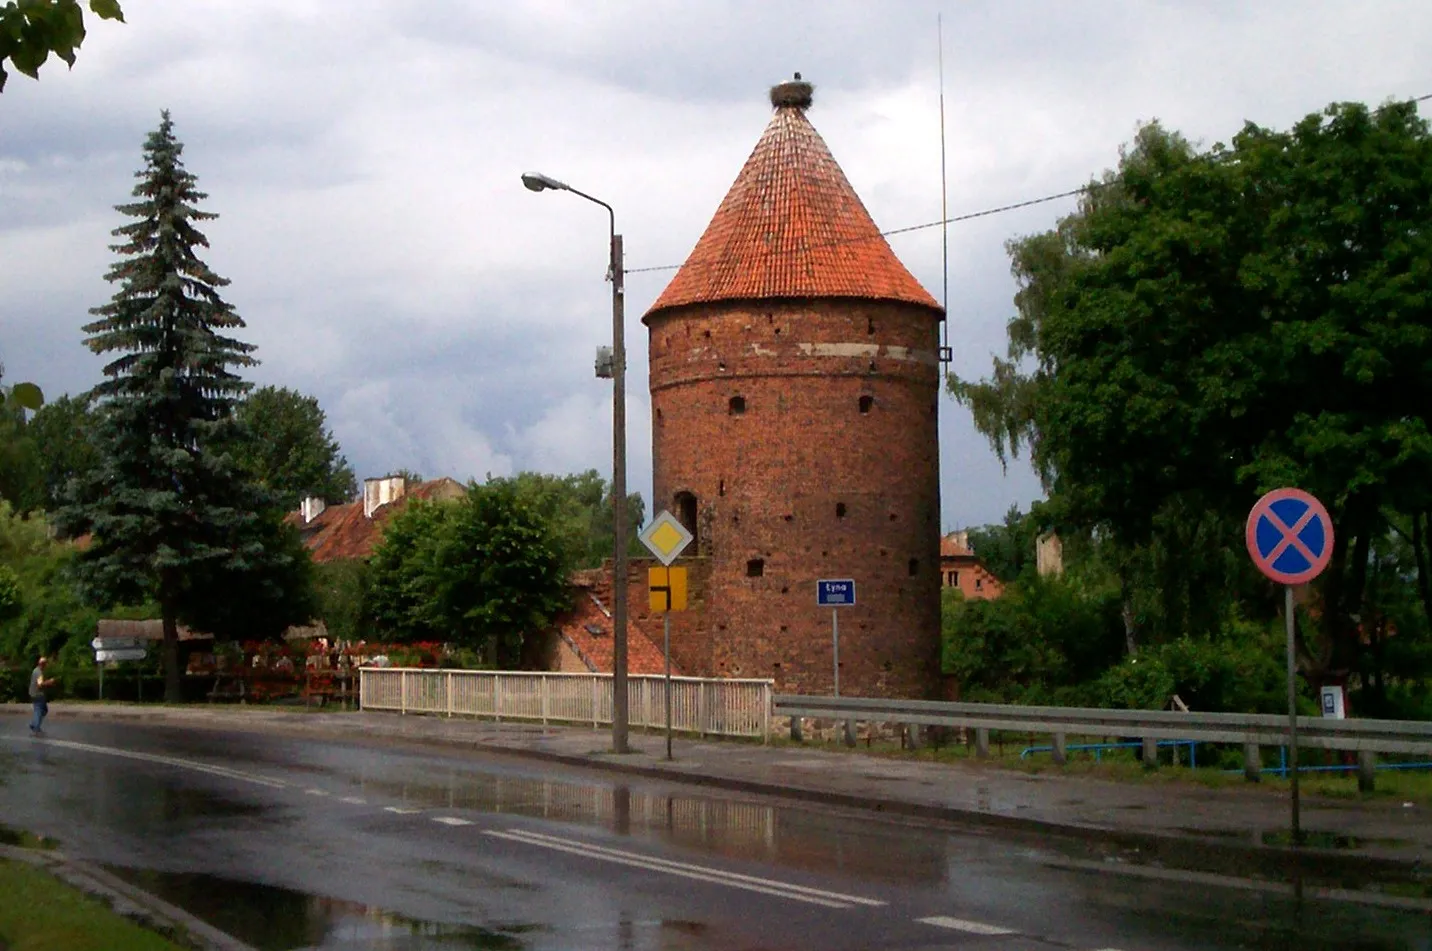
(957, 218)
(919, 227)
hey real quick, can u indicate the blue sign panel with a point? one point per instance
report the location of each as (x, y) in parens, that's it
(835, 594)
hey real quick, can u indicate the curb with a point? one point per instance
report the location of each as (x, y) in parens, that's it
(128, 901)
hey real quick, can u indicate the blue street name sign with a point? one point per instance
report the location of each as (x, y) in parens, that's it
(835, 594)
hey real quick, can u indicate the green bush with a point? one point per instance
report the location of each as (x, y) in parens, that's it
(1239, 671)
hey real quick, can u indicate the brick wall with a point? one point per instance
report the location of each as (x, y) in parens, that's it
(806, 432)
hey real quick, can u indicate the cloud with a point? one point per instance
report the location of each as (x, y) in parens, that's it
(364, 159)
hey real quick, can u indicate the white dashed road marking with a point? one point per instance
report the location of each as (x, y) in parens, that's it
(968, 927)
(401, 810)
(354, 800)
(765, 886)
(316, 792)
(451, 821)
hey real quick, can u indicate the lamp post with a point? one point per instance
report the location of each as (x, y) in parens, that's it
(538, 182)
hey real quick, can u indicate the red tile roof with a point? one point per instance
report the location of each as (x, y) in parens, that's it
(791, 226)
(587, 629)
(343, 531)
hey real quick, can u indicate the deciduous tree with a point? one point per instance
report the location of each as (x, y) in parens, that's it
(31, 30)
(283, 444)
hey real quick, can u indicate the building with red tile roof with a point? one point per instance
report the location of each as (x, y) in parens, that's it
(794, 391)
(353, 529)
(962, 569)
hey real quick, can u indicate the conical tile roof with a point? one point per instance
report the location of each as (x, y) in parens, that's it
(791, 226)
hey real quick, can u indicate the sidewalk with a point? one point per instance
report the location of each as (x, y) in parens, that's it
(1246, 818)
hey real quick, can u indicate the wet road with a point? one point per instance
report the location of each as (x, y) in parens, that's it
(300, 843)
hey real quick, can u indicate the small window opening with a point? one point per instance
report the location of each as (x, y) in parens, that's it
(785, 590)
(954, 579)
(658, 416)
(869, 325)
(721, 487)
(840, 510)
(785, 627)
(914, 566)
(706, 334)
(979, 584)
(686, 510)
(776, 665)
(736, 406)
(755, 567)
(788, 517)
(866, 402)
(872, 366)
(721, 366)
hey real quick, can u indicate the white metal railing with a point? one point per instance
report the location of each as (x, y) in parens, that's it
(704, 706)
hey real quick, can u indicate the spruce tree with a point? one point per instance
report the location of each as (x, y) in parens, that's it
(169, 514)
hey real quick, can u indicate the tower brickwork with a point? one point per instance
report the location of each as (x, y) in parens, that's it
(794, 393)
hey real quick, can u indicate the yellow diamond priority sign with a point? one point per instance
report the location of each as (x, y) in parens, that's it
(665, 537)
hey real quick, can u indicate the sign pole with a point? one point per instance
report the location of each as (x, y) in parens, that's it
(101, 680)
(1292, 711)
(1289, 535)
(835, 639)
(666, 626)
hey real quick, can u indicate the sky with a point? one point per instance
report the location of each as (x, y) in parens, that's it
(365, 160)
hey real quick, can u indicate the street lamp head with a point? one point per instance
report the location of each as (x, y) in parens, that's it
(537, 182)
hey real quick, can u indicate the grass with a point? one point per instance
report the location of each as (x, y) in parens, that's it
(1123, 766)
(40, 913)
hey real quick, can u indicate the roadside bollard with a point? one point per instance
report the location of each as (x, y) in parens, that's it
(982, 742)
(796, 736)
(849, 731)
(1151, 753)
(1252, 762)
(1058, 752)
(912, 735)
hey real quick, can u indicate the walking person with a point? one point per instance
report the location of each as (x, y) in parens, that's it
(38, 683)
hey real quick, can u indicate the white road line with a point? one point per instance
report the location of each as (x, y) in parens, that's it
(402, 811)
(451, 821)
(212, 770)
(736, 876)
(702, 873)
(354, 800)
(959, 924)
(316, 792)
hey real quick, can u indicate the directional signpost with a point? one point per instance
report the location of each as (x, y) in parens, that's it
(666, 538)
(1290, 538)
(108, 649)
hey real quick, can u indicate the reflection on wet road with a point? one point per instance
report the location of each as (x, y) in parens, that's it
(300, 843)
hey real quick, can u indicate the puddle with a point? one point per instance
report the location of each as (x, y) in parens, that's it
(26, 840)
(271, 918)
(735, 829)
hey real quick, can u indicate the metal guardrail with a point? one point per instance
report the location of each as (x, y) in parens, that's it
(1374, 736)
(707, 707)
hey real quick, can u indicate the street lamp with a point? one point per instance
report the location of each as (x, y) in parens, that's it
(537, 182)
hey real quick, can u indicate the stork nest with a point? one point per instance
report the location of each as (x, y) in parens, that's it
(793, 93)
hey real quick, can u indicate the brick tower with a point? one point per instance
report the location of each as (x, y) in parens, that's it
(794, 395)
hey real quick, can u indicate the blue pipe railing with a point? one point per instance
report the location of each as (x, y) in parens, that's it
(1280, 770)
(1099, 748)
